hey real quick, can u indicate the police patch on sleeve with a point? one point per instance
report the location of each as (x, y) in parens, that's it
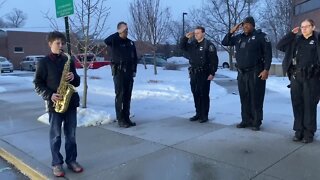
(266, 38)
(212, 48)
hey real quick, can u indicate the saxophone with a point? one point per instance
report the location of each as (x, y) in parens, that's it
(65, 89)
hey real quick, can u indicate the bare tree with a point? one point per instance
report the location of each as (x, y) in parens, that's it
(137, 28)
(52, 20)
(276, 18)
(3, 24)
(175, 29)
(219, 16)
(250, 4)
(157, 21)
(89, 21)
(175, 33)
(16, 18)
(2, 3)
(150, 22)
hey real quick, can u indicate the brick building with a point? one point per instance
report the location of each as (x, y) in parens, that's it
(306, 9)
(16, 44)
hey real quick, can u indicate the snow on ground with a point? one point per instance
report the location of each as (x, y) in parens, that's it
(10, 83)
(178, 60)
(154, 97)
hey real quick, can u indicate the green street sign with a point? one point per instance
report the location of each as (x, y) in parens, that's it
(64, 8)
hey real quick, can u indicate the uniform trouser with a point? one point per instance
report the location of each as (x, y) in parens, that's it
(304, 98)
(200, 88)
(69, 119)
(252, 91)
(123, 83)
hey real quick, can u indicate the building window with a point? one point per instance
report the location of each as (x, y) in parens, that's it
(18, 49)
(306, 6)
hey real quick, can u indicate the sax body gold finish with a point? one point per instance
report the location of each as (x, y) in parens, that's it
(65, 89)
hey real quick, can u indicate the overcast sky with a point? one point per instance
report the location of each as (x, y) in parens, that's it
(118, 12)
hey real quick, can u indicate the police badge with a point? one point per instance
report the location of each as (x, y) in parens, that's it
(266, 38)
(211, 48)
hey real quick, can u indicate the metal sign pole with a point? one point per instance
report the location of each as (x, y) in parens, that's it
(66, 21)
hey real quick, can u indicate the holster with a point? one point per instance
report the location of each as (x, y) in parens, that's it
(114, 69)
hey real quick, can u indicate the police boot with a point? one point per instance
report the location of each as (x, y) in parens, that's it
(298, 136)
(242, 125)
(195, 118)
(307, 140)
(255, 128)
(128, 120)
(204, 119)
(123, 124)
(256, 125)
(308, 137)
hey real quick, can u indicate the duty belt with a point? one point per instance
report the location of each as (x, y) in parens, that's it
(306, 72)
(248, 69)
(195, 70)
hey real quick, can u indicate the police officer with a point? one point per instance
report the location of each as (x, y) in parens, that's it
(203, 65)
(301, 63)
(253, 56)
(124, 68)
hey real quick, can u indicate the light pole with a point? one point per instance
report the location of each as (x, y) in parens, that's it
(183, 14)
(249, 6)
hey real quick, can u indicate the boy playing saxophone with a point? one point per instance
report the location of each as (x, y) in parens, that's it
(49, 73)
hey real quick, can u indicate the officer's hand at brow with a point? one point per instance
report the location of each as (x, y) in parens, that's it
(210, 77)
(264, 75)
(235, 28)
(296, 30)
(189, 35)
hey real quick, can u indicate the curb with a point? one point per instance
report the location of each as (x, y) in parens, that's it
(21, 166)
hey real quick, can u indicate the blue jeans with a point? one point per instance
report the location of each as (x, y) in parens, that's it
(69, 118)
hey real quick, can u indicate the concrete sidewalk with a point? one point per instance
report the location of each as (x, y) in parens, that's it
(170, 149)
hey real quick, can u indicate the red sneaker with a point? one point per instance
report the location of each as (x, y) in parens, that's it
(75, 167)
(58, 171)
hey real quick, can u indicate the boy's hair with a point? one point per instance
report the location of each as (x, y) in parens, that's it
(56, 35)
(120, 23)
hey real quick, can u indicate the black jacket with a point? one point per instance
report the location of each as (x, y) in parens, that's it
(203, 54)
(287, 44)
(47, 79)
(251, 50)
(123, 52)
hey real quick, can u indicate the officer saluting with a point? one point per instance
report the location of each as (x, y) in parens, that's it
(124, 68)
(302, 64)
(253, 56)
(203, 65)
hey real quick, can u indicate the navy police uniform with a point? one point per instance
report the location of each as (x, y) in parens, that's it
(302, 65)
(253, 55)
(124, 68)
(203, 61)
